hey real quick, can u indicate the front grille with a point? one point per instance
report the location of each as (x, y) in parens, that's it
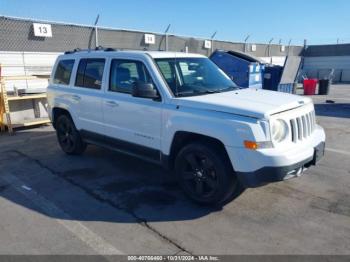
(302, 126)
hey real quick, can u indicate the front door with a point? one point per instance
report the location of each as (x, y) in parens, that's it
(133, 124)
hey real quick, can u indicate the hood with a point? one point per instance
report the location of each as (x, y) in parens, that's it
(249, 102)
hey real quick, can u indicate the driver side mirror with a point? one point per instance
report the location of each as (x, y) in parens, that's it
(144, 90)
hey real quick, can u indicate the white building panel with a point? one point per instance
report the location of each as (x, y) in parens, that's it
(27, 64)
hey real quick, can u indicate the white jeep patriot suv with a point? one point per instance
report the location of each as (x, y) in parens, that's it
(180, 110)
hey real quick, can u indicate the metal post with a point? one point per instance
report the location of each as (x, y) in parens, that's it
(96, 36)
(268, 48)
(96, 33)
(166, 37)
(166, 42)
(25, 70)
(245, 43)
(305, 44)
(289, 43)
(212, 42)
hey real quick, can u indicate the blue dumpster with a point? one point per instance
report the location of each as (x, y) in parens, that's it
(272, 77)
(245, 70)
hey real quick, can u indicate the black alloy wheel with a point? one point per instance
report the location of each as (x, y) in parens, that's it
(205, 173)
(68, 137)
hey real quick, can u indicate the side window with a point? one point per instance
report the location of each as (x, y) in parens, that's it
(124, 73)
(63, 72)
(90, 73)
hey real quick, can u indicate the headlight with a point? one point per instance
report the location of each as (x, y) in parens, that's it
(279, 130)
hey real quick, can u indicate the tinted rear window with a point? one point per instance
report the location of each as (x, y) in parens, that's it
(63, 72)
(90, 73)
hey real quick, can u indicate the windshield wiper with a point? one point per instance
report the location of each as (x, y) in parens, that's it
(214, 91)
(205, 91)
(230, 88)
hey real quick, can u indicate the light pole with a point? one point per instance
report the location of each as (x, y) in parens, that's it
(96, 34)
(166, 37)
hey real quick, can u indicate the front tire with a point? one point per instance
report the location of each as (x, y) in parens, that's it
(205, 173)
(68, 136)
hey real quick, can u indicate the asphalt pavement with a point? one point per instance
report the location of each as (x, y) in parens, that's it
(106, 203)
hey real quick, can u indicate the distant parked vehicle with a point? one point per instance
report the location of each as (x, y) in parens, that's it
(181, 111)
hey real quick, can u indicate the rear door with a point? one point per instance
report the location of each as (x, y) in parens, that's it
(88, 95)
(59, 92)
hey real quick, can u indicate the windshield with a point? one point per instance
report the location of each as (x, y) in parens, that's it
(194, 76)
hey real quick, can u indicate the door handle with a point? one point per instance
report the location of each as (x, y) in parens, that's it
(76, 98)
(112, 103)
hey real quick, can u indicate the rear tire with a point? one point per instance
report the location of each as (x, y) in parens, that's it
(205, 173)
(68, 136)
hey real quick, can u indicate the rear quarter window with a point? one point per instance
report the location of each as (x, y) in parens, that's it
(63, 72)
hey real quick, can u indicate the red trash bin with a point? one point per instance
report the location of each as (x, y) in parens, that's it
(310, 87)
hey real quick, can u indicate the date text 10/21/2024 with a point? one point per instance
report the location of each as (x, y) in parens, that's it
(173, 258)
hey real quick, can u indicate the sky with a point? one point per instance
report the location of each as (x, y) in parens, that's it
(318, 21)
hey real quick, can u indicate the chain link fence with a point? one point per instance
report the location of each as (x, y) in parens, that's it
(18, 35)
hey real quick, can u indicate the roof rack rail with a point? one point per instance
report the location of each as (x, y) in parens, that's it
(106, 49)
(98, 48)
(110, 49)
(73, 51)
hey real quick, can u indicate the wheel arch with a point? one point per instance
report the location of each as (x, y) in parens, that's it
(57, 112)
(183, 138)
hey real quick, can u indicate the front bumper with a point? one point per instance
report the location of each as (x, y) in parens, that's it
(273, 174)
(256, 167)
